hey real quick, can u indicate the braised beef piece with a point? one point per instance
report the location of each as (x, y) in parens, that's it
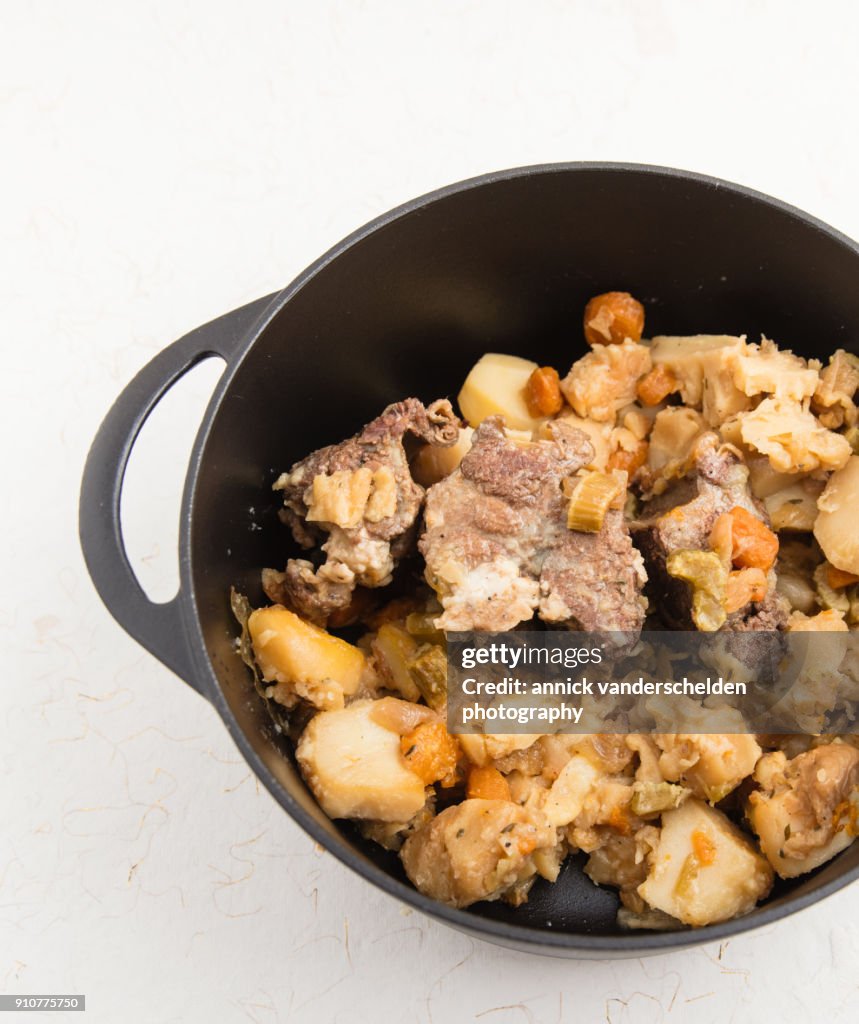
(497, 545)
(682, 518)
(357, 501)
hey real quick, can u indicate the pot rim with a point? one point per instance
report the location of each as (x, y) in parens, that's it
(535, 940)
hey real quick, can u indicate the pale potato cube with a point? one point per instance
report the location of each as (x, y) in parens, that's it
(704, 869)
(835, 526)
(307, 662)
(496, 387)
(704, 366)
(355, 768)
(566, 798)
(433, 463)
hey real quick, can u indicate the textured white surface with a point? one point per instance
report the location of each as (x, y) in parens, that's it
(163, 163)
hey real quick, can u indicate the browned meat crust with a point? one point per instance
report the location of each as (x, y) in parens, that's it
(498, 548)
(360, 499)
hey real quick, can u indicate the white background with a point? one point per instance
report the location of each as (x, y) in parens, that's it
(164, 163)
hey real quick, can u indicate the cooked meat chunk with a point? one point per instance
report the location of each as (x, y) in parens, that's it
(498, 548)
(806, 809)
(359, 496)
(682, 518)
(477, 850)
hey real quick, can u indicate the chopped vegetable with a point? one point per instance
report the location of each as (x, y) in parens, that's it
(838, 578)
(744, 587)
(766, 369)
(792, 437)
(312, 664)
(612, 317)
(543, 392)
(487, 783)
(496, 387)
(429, 671)
(394, 648)
(590, 500)
(656, 386)
(656, 797)
(833, 399)
(704, 571)
(703, 365)
(355, 767)
(795, 507)
(704, 869)
(827, 596)
(433, 463)
(754, 545)
(630, 461)
(603, 382)
(431, 753)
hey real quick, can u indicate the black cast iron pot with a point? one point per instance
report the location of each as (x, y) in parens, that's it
(403, 307)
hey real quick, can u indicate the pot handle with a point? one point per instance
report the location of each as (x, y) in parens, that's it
(158, 627)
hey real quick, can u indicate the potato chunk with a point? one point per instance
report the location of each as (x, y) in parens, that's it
(710, 765)
(355, 767)
(433, 463)
(704, 869)
(496, 387)
(476, 850)
(794, 508)
(307, 662)
(569, 791)
(835, 526)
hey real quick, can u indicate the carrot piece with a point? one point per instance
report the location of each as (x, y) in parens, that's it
(755, 546)
(629, 461)
(431, 753)
(839, 578)
(487, 783)
(619, 821)
(656, 385)
(612, 317)
(703, 847)
(743, 587)
(543, 392)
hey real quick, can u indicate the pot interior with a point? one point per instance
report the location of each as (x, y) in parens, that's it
(505, 266)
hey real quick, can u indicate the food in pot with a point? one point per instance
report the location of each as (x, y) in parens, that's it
(702, 483)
